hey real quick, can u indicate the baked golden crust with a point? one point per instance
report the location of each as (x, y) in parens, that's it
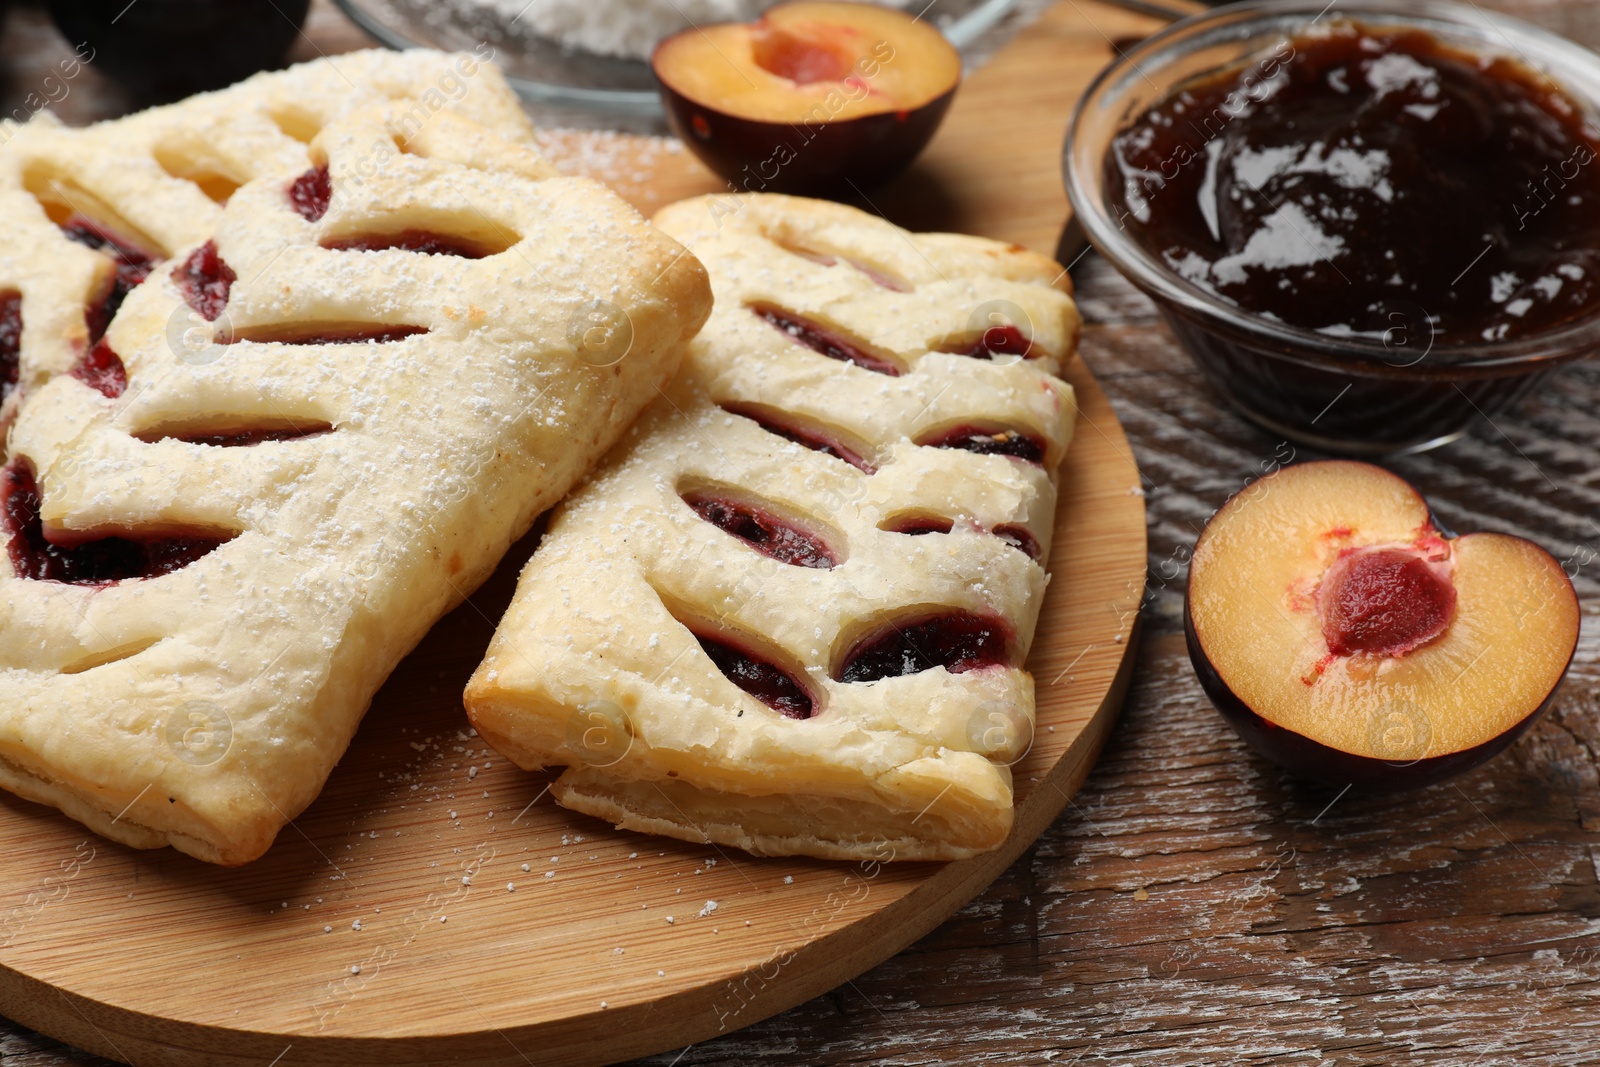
(599, 664)
(205, 707)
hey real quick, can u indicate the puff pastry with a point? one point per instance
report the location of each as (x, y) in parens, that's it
(733, 633)
(296, 362)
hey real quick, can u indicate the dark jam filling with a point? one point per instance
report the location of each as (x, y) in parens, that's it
(958, 642)
(763, 531)
(102, 369)
(807, 436)
(1019, 539)
(133, 267)
(321, 334)
(311, 193)
(245, 438)
(767, 683)
(433, 244)
(918, 526)
(10, 343)
(99, 562)
(204, 281)
(990, 443)
(995, 341)
(1365, 181)
(1015, 536)
(824, 341)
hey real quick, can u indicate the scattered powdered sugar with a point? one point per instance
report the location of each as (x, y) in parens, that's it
(605, 155)
(625, 28)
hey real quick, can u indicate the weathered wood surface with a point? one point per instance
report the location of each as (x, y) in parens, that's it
(583, 969)
(1195, 907)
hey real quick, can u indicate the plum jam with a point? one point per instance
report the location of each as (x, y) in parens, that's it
(424, 241)
(995, 341)
(104, 561)
(823, 341)
(956, 641)
(1385, 600)
(311, 193)
(917, 525)
(133, 265)
(244, 438)
(205, 281)
(312, 333)
(1011, 443)
(1351, 175)
(1019, 539)
(10, 342)
(102, 369)
(763, 531)
(766, 682)
(809, 436)
(1369, 233)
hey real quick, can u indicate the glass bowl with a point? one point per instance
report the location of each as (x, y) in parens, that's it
(545, 73)
(1358, 395)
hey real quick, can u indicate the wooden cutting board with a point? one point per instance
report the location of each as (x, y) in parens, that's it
(434, 905)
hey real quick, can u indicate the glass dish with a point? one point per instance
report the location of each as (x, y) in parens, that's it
(1341, 394)
(545, 73)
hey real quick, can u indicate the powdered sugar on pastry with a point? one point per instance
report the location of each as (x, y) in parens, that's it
(790, 613)
(299, 360)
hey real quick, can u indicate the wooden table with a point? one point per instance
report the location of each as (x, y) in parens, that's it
(1194, 905)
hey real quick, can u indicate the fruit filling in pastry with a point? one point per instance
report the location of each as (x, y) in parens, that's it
(791, 612)
(284, 371)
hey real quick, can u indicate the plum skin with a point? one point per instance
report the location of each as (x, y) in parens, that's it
(808, 159)
(1312, 759)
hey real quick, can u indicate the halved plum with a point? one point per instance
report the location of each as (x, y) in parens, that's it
(1343, 635)
(810, 98)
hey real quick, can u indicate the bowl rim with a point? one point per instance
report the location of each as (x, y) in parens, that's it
(642, 102)
(1561, 60)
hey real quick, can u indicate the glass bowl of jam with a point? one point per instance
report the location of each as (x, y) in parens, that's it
(1372, 224)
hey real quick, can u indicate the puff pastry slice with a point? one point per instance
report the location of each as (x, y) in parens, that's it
(292, 365)
(790, 613)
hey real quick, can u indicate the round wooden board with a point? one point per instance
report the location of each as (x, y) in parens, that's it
(608, 947)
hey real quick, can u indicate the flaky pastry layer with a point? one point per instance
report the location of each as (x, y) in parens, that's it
(600, 663)
(204, 707)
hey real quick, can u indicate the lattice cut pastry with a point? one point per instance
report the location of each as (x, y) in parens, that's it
(290, 366)
(735, 633)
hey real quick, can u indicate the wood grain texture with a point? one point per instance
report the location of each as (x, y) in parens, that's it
(1194, 907)
(394, 922)
(429, 907)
